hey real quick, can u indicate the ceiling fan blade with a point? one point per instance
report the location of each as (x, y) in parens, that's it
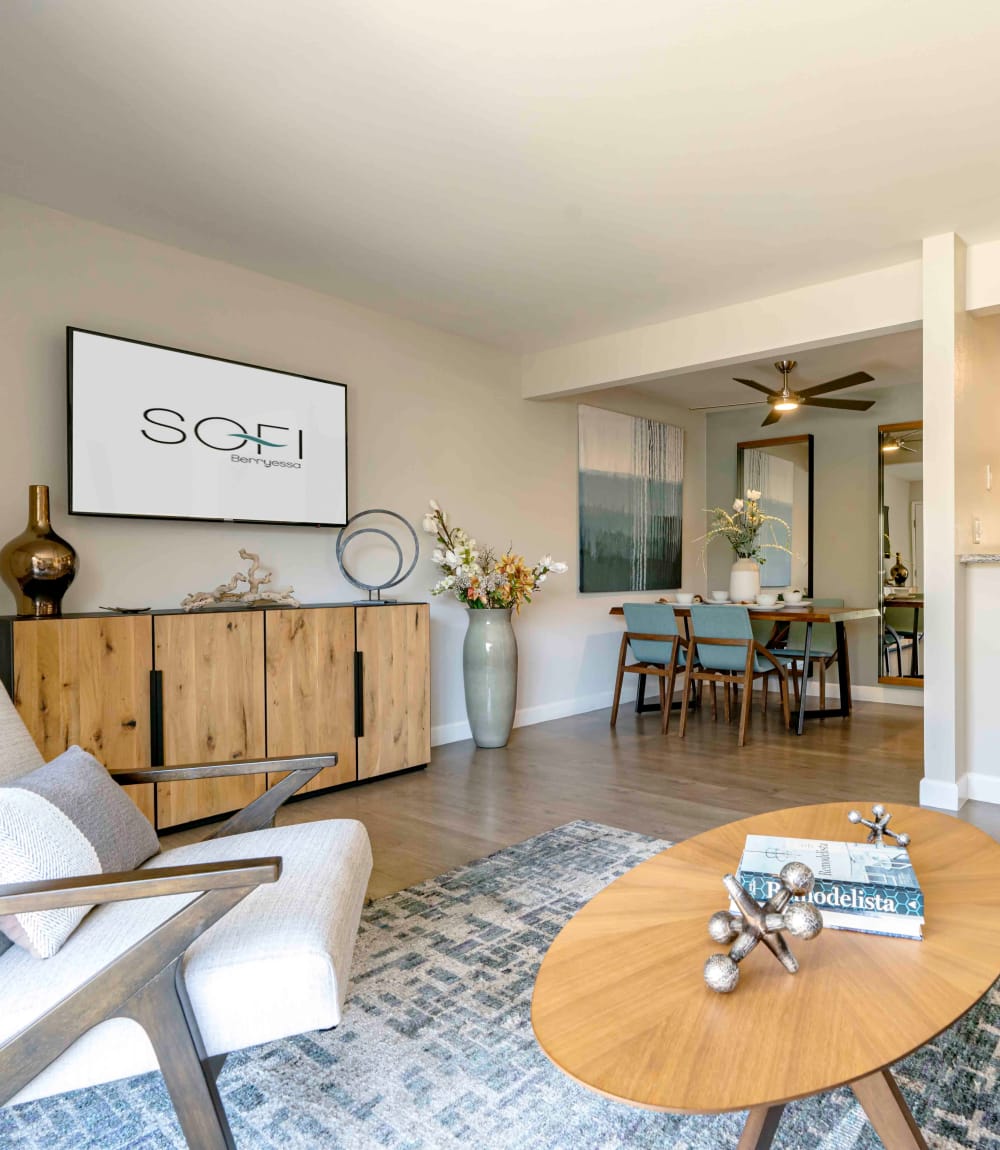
(771, 417)
(839, 404)
(723, 406)
(836, 384)
(905, 447)
(757, 386)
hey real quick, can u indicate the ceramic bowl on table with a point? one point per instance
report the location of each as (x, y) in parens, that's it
(720, 596)
(766, 600)
(684, 597)
(792, 596)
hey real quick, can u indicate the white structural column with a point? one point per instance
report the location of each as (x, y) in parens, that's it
(945, 333)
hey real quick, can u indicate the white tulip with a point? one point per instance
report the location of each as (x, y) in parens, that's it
(430, 525)
(434, 506)
(559, 568)
(753, 495)
(737, 504)
(540, 579)
(545, 561)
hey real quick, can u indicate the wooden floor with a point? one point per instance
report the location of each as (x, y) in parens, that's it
(471, 802)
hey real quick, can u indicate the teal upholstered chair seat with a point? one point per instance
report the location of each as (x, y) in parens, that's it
(822, 647)
(714, 621)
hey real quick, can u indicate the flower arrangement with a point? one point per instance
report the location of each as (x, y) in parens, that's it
(478, 578)
(742, 526)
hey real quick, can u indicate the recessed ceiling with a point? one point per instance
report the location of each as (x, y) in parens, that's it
(523, 173)
(893, 360)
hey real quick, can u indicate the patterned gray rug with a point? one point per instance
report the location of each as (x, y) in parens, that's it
(436, 1050)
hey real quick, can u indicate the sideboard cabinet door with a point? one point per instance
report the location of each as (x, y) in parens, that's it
(394, 648)
(86, 681)
(211, 670)
(310, 690)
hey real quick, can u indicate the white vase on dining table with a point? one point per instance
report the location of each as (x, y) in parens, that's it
(744, 581)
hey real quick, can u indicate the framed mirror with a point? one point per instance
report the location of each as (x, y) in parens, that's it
(901, 551)
(781, 469)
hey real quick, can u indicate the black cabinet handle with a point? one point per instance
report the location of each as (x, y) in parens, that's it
(359, 694)
(156, 718)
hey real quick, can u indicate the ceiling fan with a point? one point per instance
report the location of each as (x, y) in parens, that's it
(786, 400)
(899, 442)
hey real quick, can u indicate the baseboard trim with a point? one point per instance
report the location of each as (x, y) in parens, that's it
(983, 788)
(563, 708)
(528, 716)
(946, 796)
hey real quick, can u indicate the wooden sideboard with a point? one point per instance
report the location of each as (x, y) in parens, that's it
(167, 688)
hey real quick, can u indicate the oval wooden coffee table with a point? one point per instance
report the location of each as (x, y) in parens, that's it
(620, 1005)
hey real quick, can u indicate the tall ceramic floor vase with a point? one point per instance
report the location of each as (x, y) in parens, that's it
(744, 581)
(38, 565)
(489, 664)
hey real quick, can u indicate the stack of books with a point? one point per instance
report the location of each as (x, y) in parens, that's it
(859, 886)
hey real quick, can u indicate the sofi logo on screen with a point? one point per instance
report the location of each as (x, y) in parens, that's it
(273, 443)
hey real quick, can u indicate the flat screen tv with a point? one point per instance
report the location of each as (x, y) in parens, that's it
(159, 433)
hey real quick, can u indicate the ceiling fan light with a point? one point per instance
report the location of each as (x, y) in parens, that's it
(786, 405)
(891, 445)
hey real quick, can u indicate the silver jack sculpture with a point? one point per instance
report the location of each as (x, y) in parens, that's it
(755, 923)
(878, 828)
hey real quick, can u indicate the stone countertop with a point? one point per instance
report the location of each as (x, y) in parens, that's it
(978, 557)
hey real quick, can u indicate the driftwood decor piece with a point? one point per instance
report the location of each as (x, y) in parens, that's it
(252, 596)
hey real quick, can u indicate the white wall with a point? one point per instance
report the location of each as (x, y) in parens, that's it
(845, 532)
(430, 415)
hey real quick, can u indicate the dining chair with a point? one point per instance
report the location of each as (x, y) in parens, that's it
(907, 624)
(658, 648)
(822, 649)
(722, 649)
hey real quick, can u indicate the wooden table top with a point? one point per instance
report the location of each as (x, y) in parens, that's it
(904, 601)
(792, 613)
(620, 1005)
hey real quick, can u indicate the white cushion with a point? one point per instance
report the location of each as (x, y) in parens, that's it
(276, 965)
(18, 753)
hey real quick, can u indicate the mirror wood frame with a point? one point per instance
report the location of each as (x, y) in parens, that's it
(785, 441)
(883, 429)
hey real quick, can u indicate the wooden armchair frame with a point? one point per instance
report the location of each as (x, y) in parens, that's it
(736, 678)
(665, 673)
(145, 982)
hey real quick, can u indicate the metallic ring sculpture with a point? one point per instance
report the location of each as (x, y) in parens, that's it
(346, 536)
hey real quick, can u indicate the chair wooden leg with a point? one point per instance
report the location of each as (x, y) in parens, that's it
(793, 669)
(715, 703)
(619, 679)
(685, 699)
(822, 684)
(783, 686)
(162, 1009)
(745, 708)
(664, 705)
(764, 685)
(727, 703)
(671, 677)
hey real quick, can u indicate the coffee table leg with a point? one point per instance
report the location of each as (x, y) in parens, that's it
(760, 1128)
(887, 1111)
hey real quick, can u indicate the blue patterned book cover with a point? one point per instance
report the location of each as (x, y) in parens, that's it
(859, 886)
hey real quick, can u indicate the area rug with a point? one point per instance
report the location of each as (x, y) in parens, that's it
(436, 1050)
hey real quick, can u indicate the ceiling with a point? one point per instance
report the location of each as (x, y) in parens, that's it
(523, 173)
(894, 360)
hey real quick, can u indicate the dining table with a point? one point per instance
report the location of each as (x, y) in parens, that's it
(810, 614)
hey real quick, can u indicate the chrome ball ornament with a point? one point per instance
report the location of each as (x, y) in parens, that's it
(753, 923)
(878, 826)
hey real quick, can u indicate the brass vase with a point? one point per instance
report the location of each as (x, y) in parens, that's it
(38, 566)
(899, 572)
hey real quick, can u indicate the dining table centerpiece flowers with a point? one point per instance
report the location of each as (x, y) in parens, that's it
(746, 527)
(492, 587)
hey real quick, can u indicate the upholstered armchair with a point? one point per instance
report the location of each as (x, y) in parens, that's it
(204, 949)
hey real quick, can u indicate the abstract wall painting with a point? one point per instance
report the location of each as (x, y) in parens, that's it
(631, 499)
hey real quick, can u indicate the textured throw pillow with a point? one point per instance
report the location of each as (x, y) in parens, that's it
(68, 817)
